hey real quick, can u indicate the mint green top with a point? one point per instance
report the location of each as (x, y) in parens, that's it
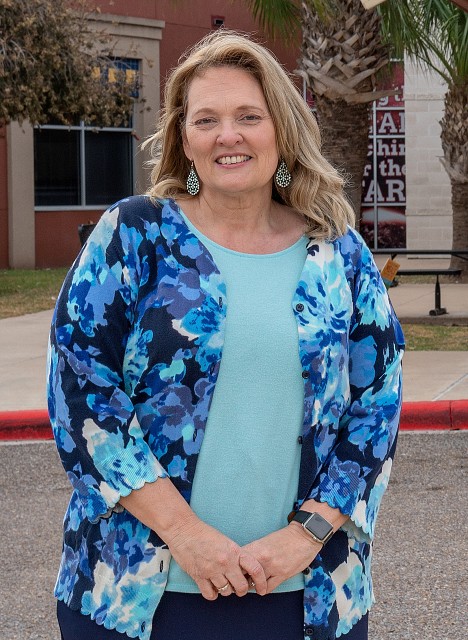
(248, 469)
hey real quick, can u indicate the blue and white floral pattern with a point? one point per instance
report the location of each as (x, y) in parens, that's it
(135, 350)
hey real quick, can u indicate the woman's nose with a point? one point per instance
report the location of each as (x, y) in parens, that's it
(229, 134)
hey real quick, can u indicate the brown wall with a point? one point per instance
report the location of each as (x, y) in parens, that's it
(189, 20)
(3, 201)
(57, 242)
(192, 20)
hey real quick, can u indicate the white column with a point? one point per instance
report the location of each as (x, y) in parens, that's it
(138, 38)
(21, 222)
(428, 195)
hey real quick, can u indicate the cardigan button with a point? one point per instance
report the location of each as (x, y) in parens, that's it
(305, 374)
(300, 440)
(309, 632)
(306, 571)
(299, 307)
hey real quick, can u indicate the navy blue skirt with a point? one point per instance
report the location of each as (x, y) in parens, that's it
(188, 616)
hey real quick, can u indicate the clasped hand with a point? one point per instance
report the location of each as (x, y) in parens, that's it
(219, 566)
(283, 554)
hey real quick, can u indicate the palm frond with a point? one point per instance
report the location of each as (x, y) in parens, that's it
(277, 17)
(433, 33)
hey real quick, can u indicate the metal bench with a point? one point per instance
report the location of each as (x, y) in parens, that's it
(438, 309)
(84, 231)
(459, 253)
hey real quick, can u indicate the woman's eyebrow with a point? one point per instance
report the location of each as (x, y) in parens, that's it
(242, 107)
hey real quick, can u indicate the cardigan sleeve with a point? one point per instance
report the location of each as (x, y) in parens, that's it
(100, 444)
(356, 473)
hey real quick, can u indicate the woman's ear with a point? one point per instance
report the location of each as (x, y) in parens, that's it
(186, 145)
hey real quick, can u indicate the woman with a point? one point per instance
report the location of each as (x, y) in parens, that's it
(223, 353)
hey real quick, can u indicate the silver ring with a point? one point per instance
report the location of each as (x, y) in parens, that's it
(221, 589)
(252, 583)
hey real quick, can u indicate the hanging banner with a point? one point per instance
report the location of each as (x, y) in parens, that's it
(384, 183)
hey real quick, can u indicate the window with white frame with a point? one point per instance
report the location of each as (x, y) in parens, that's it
(83, 166)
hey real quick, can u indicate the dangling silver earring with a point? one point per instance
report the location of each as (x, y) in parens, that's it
(282, 176)
(193, 184)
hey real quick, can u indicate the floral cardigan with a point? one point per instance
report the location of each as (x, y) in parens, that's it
(135, 351)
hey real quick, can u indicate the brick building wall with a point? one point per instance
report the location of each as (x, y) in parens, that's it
(187, 21)
(47, 236)
(54, 233)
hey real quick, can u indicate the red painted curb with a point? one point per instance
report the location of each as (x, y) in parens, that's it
(459, 414)
(442, 415)
(426, 415)
(25, 425)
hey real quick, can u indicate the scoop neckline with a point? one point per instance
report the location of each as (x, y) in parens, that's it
(221, 247)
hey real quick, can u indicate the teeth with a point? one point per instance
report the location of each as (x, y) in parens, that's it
(232, 159)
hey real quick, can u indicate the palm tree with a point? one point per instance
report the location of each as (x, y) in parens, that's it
(341, 55)
(342, 51)
(435, 34)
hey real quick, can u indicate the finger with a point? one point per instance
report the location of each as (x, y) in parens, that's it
(207, 589)
(225, 590)
(255, 570)
(251, 584)
(238, 582)
(222, 585)
(274, 582)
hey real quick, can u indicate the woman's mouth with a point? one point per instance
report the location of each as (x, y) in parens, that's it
(232, 159)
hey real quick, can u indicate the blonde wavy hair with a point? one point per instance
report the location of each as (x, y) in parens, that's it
(316, 189)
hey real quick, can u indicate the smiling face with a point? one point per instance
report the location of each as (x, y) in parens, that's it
(229, 134)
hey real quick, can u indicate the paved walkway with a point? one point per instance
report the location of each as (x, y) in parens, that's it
(23, 350)
(428, 375)
(416, 300)
(433, 375)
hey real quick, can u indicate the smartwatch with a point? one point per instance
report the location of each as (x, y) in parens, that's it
(314, 524)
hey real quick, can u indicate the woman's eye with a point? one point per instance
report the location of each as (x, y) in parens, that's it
(204, 121)
(251, 117)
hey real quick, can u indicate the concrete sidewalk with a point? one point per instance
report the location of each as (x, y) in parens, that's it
(23, 350)
(414, 301)
(433, 375)
(429, 375)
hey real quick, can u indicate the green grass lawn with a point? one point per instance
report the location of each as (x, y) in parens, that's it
(426, 337)
(28, 291)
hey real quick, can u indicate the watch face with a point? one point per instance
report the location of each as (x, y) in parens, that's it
(318, 526)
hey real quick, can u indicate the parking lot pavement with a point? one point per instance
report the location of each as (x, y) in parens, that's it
(419, 561)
